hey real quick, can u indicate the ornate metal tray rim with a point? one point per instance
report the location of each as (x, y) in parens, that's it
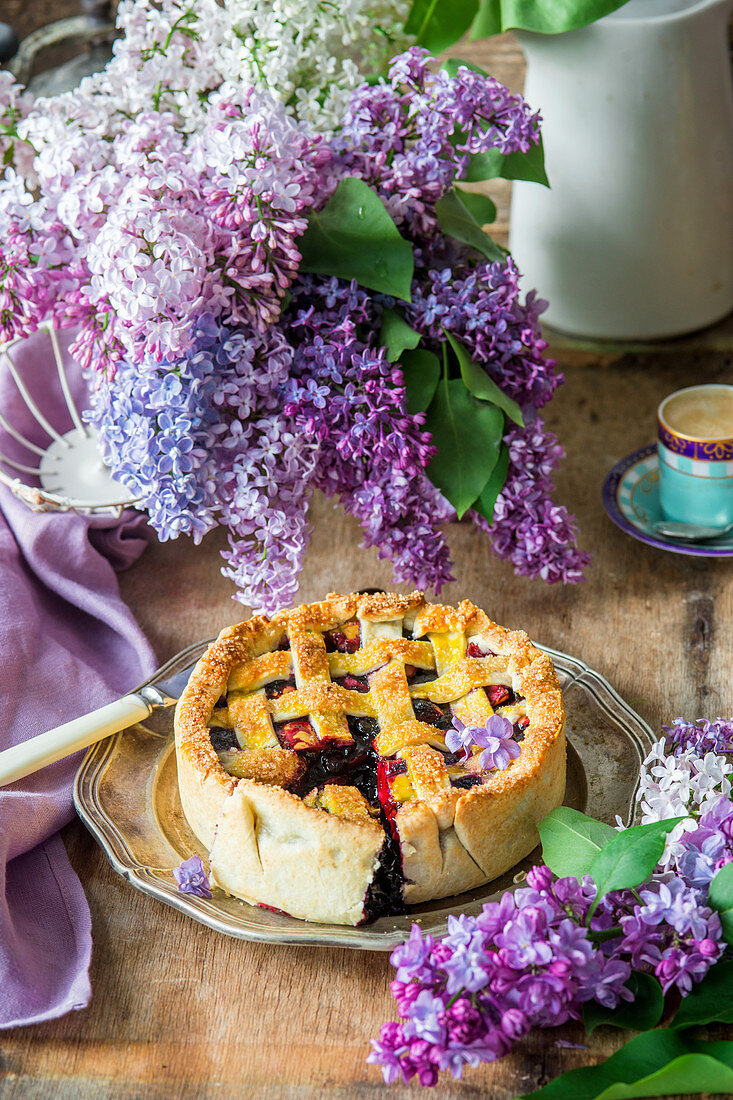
(431, 917)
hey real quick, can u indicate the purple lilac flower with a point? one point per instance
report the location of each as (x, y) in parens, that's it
(412, 134)
(702, 851)
(201, 439)
(517, 965)
(347, 399)
(671, 934)
(496, 739)
(170, 248)
(532, 532)
(531, 960)
(481, 307)
(192, 878)
(701, 735)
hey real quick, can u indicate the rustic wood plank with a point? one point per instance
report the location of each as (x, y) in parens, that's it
(179, 1011)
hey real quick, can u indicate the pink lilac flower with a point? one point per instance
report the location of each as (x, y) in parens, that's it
(192, 878)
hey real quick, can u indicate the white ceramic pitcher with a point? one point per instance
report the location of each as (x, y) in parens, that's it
(635, 238)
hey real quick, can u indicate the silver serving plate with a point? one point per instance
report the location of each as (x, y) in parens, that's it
(126, 793)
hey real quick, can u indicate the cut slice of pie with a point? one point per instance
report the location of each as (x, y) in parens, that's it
(312, 754)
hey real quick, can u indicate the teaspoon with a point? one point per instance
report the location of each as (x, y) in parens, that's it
(690, 532)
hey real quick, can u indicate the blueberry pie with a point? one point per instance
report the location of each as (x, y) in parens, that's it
(316, 754)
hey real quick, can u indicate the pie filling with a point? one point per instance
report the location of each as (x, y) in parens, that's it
(344, 772)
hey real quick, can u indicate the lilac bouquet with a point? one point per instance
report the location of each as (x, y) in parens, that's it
(278, 288)
(613, 922)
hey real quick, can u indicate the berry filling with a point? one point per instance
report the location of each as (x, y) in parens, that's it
(355, 683)
(465, 781)
(358, 766)
(435, 715)
(421, 675)
(222, 739)
(384, 893)
(346, 640)
(278, 688)
(498, 694)
(387, 771)
(296, 735)
(474, 650)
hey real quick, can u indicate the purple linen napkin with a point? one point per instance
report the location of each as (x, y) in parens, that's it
(68, 645)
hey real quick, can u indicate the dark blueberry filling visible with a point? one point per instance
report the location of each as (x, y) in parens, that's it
(278, 688)
(452, 758)
(284, 642)
(519, 728)
(220, 702)
(436, 715)
(466, 781)
(363, 730)
(357, 765)
(384, 893)
(222, 739)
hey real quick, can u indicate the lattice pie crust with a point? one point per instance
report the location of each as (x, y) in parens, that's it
(312, 758)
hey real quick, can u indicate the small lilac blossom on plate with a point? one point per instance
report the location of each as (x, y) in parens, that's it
(496, 738)
(192, 878)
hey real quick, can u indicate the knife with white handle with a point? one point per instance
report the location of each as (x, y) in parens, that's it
(30, 756)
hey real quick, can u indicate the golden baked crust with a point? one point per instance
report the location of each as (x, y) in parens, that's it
(290, 698)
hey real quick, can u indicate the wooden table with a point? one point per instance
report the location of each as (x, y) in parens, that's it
(180, 1011)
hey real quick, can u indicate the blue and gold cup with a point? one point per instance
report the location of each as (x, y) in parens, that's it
(695, 447)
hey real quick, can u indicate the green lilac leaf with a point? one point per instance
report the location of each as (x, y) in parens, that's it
(396, 335)
(572, 840)
(721, 898)
(467, 434)
(437, 24)
(655, 1063)
(688, 1075)
(630, 857)
(487, 501)
(421, 371)
(453, 64)
(481, 385)
(455, 219)
(643, 1012)
(510, 166)
(354, 237)
(543, 16)
(710, 1000)
(481, 207)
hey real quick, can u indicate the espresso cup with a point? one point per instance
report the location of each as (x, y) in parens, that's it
(695, 445)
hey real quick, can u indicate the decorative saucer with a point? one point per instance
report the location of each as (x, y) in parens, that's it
(631, 499)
